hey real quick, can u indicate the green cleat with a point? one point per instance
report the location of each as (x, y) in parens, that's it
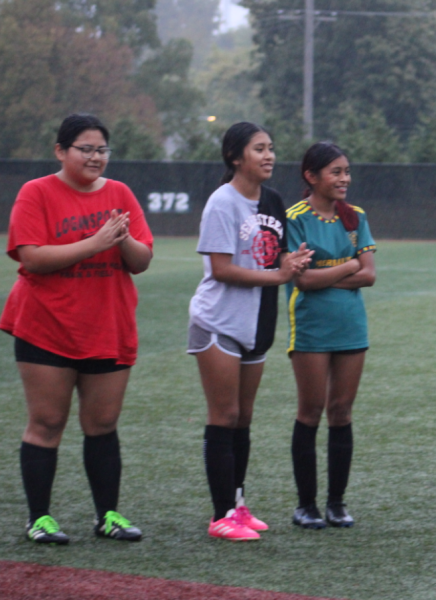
(116, 527)
(45, 530)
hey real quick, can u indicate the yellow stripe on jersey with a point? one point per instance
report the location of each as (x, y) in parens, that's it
(294, 212)
(292, 321)
(358, 209)
(296, 207)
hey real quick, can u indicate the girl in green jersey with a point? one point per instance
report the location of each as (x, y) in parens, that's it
(328, 330)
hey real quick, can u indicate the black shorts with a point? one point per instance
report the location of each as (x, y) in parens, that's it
(25, 352)
(353, 351)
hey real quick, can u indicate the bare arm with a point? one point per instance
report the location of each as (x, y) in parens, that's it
(47, 259)
(317, 279)
(365, 277)
(225, 271)
(136, 255)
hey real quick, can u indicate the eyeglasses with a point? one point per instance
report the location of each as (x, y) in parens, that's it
(88, 151)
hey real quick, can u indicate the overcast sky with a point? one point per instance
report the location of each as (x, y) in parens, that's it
(233, 16)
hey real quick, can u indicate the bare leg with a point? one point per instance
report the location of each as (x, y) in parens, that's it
(48, 392)
(220, 376)
(345, 373)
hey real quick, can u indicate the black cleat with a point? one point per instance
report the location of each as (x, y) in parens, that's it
(308, 517)
(337, 516)
(45, 530)
(116, 527)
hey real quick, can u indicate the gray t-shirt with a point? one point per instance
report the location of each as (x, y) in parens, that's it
(231, 224)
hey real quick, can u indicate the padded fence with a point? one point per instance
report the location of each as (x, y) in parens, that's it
(400, 200)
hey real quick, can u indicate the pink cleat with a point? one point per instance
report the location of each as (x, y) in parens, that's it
(231, 528)
(244, 516)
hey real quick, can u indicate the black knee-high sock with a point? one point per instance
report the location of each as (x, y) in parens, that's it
(340, 452)
(241, 451)
(220, 467)
(102, 459)
(304, 459)
(38, 468)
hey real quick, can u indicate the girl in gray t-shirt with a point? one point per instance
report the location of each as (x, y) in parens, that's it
(233, 315)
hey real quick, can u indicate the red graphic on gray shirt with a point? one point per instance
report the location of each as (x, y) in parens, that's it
(265, 248)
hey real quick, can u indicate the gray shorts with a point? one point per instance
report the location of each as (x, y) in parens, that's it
(200, 340)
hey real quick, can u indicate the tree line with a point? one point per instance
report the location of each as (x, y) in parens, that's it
(153, 70)
(374, 76)
(98, 56)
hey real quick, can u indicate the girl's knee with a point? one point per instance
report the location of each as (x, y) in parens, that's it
(310, 415)
(339, 413)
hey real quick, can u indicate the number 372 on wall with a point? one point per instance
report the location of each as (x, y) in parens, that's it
(168, 202)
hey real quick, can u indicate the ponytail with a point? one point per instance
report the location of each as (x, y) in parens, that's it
(228, 175)
(348, 216)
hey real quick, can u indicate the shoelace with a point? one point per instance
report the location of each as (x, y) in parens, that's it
(114, 518)
(243, 512)
(47, 523)
(239, 514)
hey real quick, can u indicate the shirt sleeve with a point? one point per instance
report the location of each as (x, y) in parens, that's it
(365, 241)
(217, 230)
(139, 228)
(28, 223)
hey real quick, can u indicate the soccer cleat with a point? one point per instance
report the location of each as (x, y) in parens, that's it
(116, 527)
(245, 517)
(230, 528)
(45, 530)
(308, 517)
(337, 516)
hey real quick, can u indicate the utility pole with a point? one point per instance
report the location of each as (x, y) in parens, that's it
(309, 32)
(312, 18)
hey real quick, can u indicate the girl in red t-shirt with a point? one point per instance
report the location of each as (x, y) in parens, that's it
(78, 237)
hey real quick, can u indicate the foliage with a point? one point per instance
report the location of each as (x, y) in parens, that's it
(81, 56)
(288, 138)
(229, 87)
(133, 142)
(383, 66)
(422, 145)
(193, 20)
(166, 76)
(48, 71)
(202, 143)
(131, 21)
(230, 95)
(368, 138)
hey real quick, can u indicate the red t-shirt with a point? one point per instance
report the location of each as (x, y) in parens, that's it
(86, 310)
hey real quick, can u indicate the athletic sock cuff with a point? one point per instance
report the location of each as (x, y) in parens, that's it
(216, 433)
(33, 452)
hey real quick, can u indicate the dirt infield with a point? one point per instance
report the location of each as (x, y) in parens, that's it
(25, 581)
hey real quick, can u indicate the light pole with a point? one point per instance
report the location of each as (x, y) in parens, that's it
(309, 31)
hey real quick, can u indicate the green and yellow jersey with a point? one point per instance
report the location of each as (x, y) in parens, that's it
(330, 319)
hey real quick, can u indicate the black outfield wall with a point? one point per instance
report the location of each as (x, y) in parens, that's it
(400, 200)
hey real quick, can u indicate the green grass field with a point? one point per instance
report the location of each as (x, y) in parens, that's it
(388, 555)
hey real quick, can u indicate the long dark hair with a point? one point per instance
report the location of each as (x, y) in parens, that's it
(75, 124)
(317, 157)
(236, 138)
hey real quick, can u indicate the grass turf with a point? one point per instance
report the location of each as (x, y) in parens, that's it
(388, 554)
